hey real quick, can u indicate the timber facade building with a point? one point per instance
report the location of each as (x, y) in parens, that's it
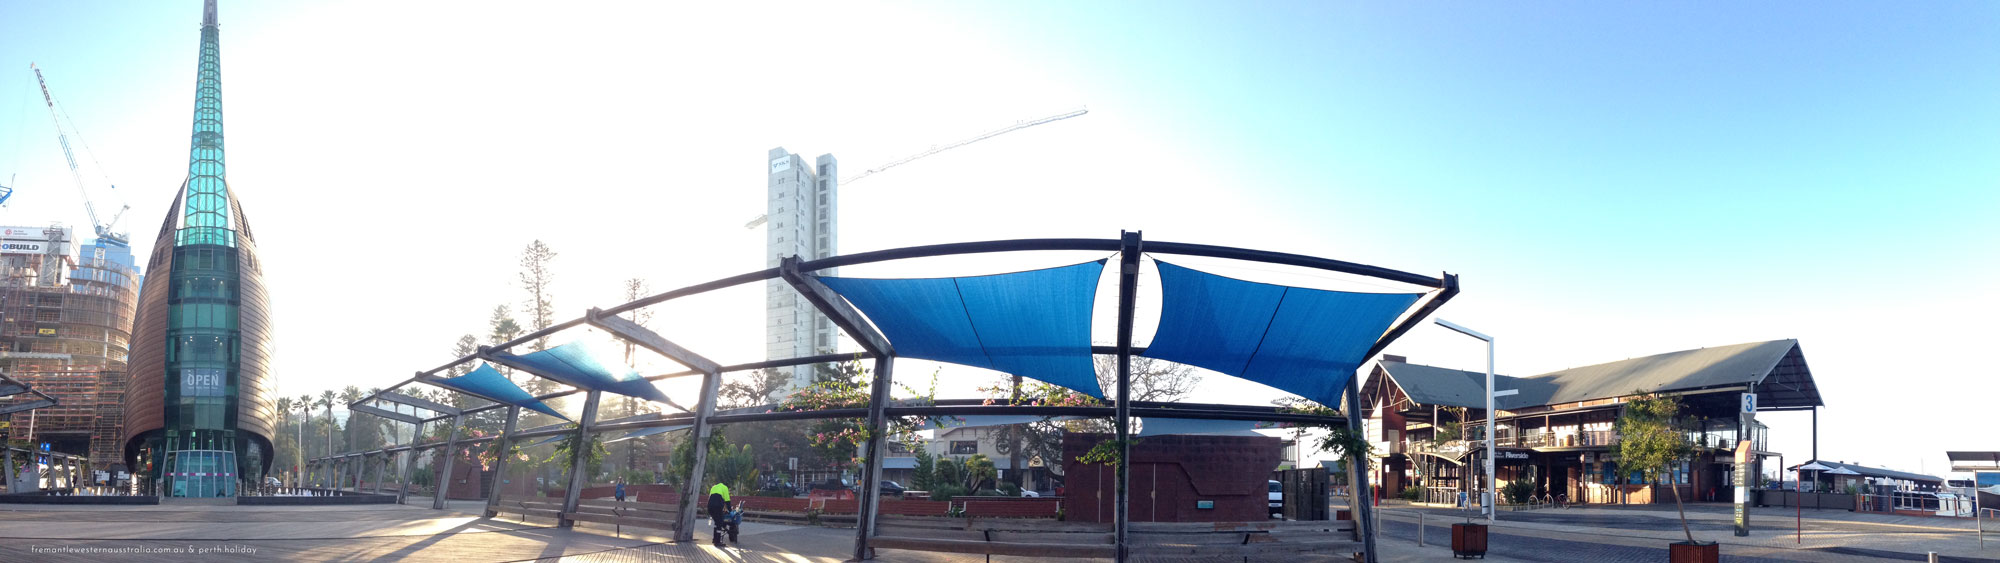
(1558, 432)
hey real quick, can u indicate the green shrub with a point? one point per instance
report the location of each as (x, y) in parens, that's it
(946, 492)
(1518, 492)
(1009, 489)
(1412, 493)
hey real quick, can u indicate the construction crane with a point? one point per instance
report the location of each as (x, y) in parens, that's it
(1017, 126)
(104, 229)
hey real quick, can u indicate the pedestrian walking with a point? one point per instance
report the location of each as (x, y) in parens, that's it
(620, 491)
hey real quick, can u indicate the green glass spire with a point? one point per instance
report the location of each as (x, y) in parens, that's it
(206, 210)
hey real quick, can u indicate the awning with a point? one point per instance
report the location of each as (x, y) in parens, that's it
(487, 382)
(575, 365)
(1306, 341)
(1033, 324)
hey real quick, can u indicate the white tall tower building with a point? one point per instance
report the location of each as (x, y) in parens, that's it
(802, 211)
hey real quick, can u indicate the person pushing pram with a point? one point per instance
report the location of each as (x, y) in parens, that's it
(721, 516)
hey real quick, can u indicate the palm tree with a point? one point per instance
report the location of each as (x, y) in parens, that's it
(304, 404)
(326, 401)
(284, 408)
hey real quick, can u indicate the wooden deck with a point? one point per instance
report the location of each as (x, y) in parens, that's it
(180, 532)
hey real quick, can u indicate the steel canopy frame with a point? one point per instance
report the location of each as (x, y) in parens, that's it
(798, 273)
(1446, 282)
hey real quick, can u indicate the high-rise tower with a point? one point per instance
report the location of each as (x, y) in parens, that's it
(803, 210)
(200, 406)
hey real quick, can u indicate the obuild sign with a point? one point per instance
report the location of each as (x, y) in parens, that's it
(22, 247)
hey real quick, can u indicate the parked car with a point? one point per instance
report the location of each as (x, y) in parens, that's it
(1030, 494)
(1277, 499)
(892, 488)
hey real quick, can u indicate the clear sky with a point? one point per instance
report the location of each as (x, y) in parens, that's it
(1611, 180)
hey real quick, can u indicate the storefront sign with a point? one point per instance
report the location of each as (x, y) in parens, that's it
(201, 382)
(1590, 457)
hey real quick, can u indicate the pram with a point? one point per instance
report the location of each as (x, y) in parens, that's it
(731, 520)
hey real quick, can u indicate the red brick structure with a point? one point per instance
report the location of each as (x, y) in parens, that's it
(1171, 476)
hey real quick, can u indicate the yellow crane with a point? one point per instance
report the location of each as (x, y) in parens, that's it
(1017, 126)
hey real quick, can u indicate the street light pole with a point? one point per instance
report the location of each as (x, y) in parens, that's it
(1487, 497)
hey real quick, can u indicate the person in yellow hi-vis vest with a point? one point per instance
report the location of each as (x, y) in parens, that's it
(720, 516)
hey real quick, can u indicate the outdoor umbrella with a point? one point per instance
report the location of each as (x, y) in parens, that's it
(1841, 471)
(1815, 467)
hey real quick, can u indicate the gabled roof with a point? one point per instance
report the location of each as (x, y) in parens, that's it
(1867, 471)
(1431, 385)
(1777, 366)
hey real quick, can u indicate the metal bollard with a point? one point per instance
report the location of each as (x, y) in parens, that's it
(1932, 557)
(1420, 529)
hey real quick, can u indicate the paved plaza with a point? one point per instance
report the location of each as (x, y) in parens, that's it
(217, 532)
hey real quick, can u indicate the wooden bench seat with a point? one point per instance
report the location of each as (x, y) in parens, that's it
(1050, 538)
(982, 547)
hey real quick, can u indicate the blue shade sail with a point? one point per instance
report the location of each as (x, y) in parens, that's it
(1306, 341)
(485, 381)
(575, 365)
(1033, 324)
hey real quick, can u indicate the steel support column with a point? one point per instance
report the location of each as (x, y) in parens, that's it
(579, 454)
(1357, 463)
(500, 463)
(1128, 287)
(408, 458)
(878, 447)
(450, 453)
(711, 382)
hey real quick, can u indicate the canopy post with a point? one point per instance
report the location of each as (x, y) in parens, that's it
(500, 461)
(1357, 464)
(711, 382)
(877, 448)
(408, 458)
(450, 453)
(579, 454)
(1128, 285)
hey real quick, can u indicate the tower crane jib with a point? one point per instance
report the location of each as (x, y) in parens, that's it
(104, 230)
(1017, 126)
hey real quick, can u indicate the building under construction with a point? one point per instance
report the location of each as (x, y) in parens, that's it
(65, 326)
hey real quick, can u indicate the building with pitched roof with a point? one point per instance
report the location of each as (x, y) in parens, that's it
(1557, 431)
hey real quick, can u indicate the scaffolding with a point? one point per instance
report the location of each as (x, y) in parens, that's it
(69, 336)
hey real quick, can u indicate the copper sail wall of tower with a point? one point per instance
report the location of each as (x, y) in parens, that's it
(200, 407)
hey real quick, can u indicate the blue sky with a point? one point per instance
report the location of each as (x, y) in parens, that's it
(1612, 180)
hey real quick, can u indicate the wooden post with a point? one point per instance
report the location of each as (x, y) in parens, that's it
(500, 464)
(579, 456)
(1357, 462)
(450, 452)
(711, 382)
(877, 448)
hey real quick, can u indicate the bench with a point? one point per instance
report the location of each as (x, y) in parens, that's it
(1248, 540)
(621, 514)
(1049, 538)
(1014, 508)
(527, 507)
(994, 536)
